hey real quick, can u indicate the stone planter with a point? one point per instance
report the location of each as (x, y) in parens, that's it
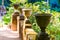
(16, 6)
(42, 21)
(27, 13)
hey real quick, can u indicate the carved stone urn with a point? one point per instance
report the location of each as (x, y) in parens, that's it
(16, 6)
(27, 14)
(42, 21)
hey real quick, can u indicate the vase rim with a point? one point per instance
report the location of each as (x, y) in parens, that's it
(43, 14)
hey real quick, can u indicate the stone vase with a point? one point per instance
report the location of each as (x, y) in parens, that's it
(42, 21)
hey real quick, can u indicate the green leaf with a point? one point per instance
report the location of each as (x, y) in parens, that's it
(23, 1)
(15, 1)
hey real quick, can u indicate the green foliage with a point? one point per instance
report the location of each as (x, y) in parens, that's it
(23, 1)
(18, 1)
(15, 1)
(35, 27)
(53, 28)
(34, 24)
(7, 17)
(28, 5)
(40, 7)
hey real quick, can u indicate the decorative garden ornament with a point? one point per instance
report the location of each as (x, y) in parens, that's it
(27, 12)
(16, 6)
(42, 21)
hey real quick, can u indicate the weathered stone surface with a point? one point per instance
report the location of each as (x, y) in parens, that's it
(7, 34)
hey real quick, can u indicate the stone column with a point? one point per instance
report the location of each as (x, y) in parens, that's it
(14, 21)
(21, 27)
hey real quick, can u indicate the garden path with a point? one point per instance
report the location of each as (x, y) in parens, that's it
(7, 34)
